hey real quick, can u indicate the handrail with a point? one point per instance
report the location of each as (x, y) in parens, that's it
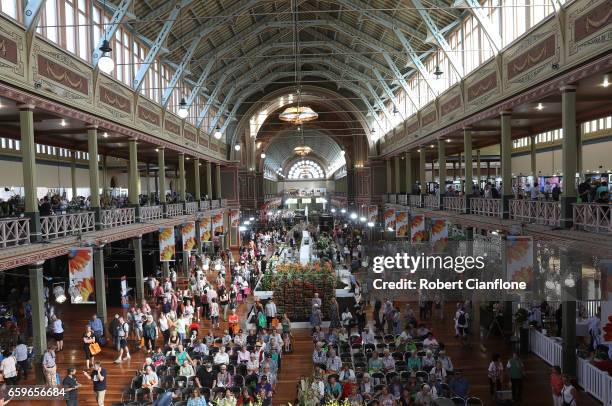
(430, 201)
(454, 203)
(204, 205)
(175, 209)
(214, 204)
(593, 217)
(117, 217)
(62, 225)
(223, 202)
(486, 207)
(151, 212)
(14, 232)
(402, 199)
(191, 207)
(536, 211)
(414, 200)
(392, 198)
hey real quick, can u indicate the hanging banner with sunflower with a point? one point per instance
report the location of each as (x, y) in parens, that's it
(188, 236)
(439, 234)
(217, 222)
(401, 222)
(417, 229)
(235, 218)
(389, 217)
(167, 247)
(205, 229)
(372, 213)
(81, 275)
(519, 259)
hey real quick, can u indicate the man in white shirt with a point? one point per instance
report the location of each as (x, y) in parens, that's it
(221, 358)
(21, 355)
(270, 311)
(9, 368)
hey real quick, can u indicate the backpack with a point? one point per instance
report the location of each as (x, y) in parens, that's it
(262, 321)
(461, 320)
(123, 330)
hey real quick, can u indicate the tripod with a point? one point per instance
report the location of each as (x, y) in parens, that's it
(494, 324)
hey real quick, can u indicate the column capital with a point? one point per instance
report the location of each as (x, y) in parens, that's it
(26, 107)
(181, 153)
(92, 126)
(133, 139)
(160, 147)
(568, 88)
(505, 113)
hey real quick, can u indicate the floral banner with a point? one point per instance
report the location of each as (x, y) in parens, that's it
(439, 234)
(417, 229)
(205, 229)
(167, 247)
(401, 222)
(389, 217)
(519, 259)
(235, 218)
(372, 213)
(188, 236)
(217, 222)
(81, 275)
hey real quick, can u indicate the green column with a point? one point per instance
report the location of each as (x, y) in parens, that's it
(506, 162)
(105, 183)
(396, 174)
(100, 283)
(218, 182)
(209, 189)
(30, 179)
(569, 153)
(570, 268)
(197, 195)
(389, 176)
(161, 174)
(148, 180)
(442, 165)
(409, 179)
(469, 165)
(422, 161)
(181, 180)
(534, 165)
(37, 298)
(478, 170)
(134, 174)
(94, 178)
(197, 233)
(73, 180)
(165, 269)
(137, 243)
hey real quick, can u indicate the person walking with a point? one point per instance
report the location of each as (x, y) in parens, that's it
(270, 310)
(516, 370)
(49, 366)
(58, 333)
(149, 333)
(98, 376)
(556, 385)
(123, 329)
(71, 387)
(9, 368)
(495, 373)
(21, 355)
(569, 394)
(88, 339)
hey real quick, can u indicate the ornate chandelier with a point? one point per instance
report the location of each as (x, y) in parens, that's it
(302, 150)
(298, 115)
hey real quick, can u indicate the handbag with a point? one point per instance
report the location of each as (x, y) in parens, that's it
(94, 348)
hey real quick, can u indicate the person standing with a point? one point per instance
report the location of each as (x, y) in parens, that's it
(96, 326)
(9, 368)
(556, 385)
(569, 394)
(88, 339)
(49, 366)
(149, 333)
(98, 376)
(270, 311)
(71, 386)
(495, 372)
(58, 333)
(21, 355)
(516, 371)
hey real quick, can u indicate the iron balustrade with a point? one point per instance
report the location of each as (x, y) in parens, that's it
(592, 217)
(148, 213)
(414, 200)
(402, 199)
(454, 203)
(204, 205)
(486, 207)
(536, 211)
(14, 232)
(174, 209)
(63, 225)
(430, 201)
(191, 207)
(117, 217)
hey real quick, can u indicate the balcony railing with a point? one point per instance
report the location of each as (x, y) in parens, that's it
(486, 207)
(414, 200)
(223, 202)
(214, 204)
(430, 201)
(14, 232)
(385, 198)
(67, 224)
(454, 203)
(148, 213)
(392, 198)
(117, 217)
(204, 205)
(536, 211)
(402, 199)
(175, 209)
(593, 217)
(191, 207)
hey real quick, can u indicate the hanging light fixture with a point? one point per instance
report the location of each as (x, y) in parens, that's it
(182, 111)
(59, 292)
(237, 147)
(263, 155)
(105, 62)
(302, 150)
(217, 134)
(298, 114)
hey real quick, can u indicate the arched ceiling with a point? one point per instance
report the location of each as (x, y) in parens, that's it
(280, 151)
(228, 49)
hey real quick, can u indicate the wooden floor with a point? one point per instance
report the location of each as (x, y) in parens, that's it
(473, 361)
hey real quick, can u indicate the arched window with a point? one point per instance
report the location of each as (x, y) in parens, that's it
(306, 169)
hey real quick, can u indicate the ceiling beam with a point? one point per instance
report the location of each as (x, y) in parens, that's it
(388, 92)
(485, 23)
(416, 61)
(224, 105)
(109, 33)
(31, 14)
(401, 80)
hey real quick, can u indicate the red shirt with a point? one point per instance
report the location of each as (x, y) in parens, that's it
(556, 383)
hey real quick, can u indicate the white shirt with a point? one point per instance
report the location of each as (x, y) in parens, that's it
(57, 326)
(21, 352)
(221, 358)
(271, 309)
(9, 367)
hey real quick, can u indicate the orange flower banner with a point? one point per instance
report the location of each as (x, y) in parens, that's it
(401, 223)
(205, 229)
(167, 244)
(439, 234)
(80, 274)
(235, 218)
(188, 236)
(417, 229)
(217, 222)
(372, 213)
(520, 259)
(389, 217)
